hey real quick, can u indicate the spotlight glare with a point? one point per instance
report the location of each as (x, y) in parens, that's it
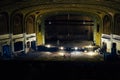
(48, 46)
(61, 48)
(76, 48)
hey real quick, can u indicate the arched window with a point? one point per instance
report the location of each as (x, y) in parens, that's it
(18, 24)
(117, 24)
(106, 25)
(30, 28)
(4, 28)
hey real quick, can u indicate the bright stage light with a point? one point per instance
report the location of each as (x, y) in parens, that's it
(48, 46)
(61, 48)
(76, 48)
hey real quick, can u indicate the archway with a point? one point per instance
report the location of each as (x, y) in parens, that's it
(116, 24)
(107, 24)
(87, 19)
(4, 27)
(17, 24)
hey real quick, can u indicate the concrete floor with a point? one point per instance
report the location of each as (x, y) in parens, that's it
(62, 55)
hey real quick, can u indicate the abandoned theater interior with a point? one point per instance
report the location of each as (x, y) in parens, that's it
(60, 39)
(32, 24)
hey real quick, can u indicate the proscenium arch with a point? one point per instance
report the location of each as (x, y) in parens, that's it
(41, 18)
(40, 12)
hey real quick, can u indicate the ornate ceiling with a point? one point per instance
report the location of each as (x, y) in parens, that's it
(33, 6)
